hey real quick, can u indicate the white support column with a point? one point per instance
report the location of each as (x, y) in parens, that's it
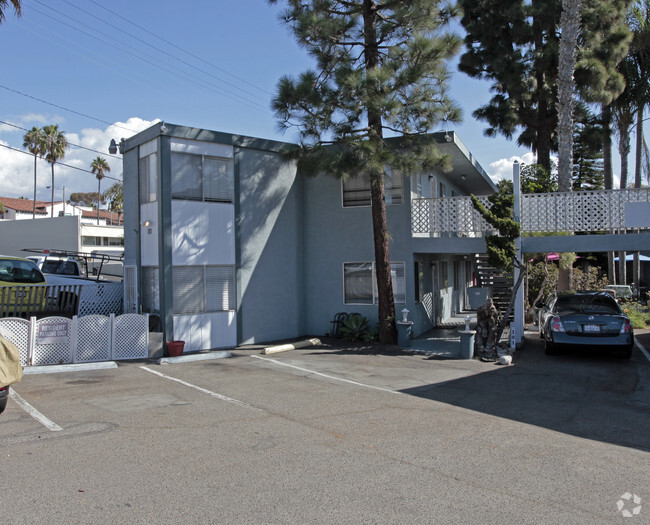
(518, 324)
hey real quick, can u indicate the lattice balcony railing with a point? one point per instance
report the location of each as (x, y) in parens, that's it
(583, 211)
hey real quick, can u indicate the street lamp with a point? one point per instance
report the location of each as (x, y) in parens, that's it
(48, 187)
(113, 146)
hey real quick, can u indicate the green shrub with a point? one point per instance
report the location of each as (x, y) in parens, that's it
(356, 328)
(638, 314)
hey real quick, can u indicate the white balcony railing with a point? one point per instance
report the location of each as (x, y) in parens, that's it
(583, 211)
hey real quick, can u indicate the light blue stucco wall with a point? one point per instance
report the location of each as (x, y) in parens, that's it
(335, 235)
(269, 242)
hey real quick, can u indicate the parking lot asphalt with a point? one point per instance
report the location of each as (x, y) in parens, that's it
(337, 432)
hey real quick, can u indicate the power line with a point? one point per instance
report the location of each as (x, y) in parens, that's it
(70, 143)
(159, 49)
(66, 109)
(181, 49)
(59, 163)
(150, 60)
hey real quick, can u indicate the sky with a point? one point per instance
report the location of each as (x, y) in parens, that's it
(107, 70)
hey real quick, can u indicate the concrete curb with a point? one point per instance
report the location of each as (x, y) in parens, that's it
(193, 357)
(76, 367)
(283, 348)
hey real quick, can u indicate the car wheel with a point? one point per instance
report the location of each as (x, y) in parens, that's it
(623, 354)
(3, 405)
(549, 348)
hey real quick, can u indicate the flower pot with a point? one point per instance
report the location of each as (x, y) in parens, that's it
(175, 348)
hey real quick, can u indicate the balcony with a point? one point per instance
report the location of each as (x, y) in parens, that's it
(590, 212)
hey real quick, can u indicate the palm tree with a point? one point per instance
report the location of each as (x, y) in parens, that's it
(639, 20)
(53, 146)
(99, 166)
(570, 25)
(3, 7)
(32, 141)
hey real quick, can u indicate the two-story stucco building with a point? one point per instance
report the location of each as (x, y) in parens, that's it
(229, 244)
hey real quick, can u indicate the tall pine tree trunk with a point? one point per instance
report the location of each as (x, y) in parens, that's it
(387, 327)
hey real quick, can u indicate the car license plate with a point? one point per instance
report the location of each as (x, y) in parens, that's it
(591, 328)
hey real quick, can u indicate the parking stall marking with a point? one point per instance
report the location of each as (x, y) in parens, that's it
(201, 389)
(645, 352)
(275, 361)
(47, 423)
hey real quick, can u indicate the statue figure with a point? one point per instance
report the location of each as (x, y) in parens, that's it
(487, 319)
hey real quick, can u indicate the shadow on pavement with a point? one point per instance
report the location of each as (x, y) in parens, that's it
(592, 396)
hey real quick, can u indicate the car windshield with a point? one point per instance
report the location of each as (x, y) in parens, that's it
(19, 272)
(595, 304)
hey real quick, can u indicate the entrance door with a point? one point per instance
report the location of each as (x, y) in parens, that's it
(435, 294)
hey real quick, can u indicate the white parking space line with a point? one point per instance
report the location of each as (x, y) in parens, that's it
(50, 425)
(645, 352)
(202, 390)
(275, 361)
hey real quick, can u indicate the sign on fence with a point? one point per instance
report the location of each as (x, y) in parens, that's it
(52, 332)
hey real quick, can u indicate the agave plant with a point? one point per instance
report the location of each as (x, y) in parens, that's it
(355, 327)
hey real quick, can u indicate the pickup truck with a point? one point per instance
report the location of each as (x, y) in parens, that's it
(61, 266)
(78, 288)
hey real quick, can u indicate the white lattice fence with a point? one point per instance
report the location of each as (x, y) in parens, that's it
(59, 340)
(131, 336)
(448, 215)
(101, 298)
(17, 331)
(577, 211)
(52, 341)
(94, 338)
(584, 211)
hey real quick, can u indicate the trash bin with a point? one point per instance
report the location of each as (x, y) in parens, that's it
(404, 333)
(467, 343)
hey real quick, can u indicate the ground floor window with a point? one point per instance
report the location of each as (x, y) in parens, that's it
(150, 290)
(360, 283)
(200, 289)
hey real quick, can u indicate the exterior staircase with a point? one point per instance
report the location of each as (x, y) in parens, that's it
(499, 283)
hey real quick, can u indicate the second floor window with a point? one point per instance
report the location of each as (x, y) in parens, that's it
(203, 178)
(356, 190)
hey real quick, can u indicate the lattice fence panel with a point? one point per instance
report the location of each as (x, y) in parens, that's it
(93, 338)
(16, 331)
(448, 215)
(591, 211)
(421, 216)
(131, 336)
(59, 350)
(578, 211)
(101, 298)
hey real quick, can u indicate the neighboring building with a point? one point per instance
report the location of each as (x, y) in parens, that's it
(77, 230)
(230, 245)
(20, 209)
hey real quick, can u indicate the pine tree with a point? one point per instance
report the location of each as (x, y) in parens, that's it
(588, 172)
(381, 69)
(514, 44)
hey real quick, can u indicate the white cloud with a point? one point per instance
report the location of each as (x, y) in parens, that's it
(17, 167)
(502, 168)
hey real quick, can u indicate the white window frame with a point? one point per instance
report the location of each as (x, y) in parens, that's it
(399, 282)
